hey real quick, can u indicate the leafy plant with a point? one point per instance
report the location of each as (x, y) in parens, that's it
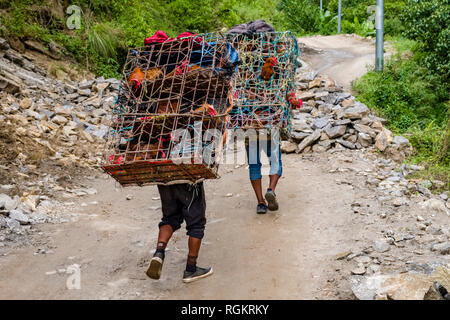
(105, 40)
(415, 100)
(327, 22)
(428, 22)
(302, 16)
(366, 28)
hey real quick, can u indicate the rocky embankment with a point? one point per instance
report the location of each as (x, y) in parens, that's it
(403, 250)
(331, 117)
(332, 120)
(52, 132)
(399, 239)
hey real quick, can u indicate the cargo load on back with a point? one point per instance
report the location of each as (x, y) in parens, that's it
(171, 110)
(263, 87)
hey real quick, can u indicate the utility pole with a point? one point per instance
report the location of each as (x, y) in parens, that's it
(320, 5)
(379, 26)
(339, 16)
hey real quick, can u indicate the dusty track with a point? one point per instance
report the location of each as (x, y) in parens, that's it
(343, 57)
(282, 255)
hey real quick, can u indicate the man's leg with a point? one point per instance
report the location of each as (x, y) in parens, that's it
(156, 263)
(273, 180)
(171, 221)
(257, 187)
(195, 217)
(194, 247)
(165, 233)
(254, 166)
(193, 272)
(273, 152)
(274, 155)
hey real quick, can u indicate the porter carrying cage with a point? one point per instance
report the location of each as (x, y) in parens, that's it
(171, 110)
(262, 103)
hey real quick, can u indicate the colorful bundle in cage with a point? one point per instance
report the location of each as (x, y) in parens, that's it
(265, 80)
(171, 111)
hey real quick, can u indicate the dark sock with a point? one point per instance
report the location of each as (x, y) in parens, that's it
(161, 248)
(268, 189)
(191, 265)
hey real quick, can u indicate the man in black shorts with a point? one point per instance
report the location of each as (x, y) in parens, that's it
(181, 202)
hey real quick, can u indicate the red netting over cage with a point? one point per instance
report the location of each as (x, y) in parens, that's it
(171, 111)
(265, 79)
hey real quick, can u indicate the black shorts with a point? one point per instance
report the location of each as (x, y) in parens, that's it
(184, 202)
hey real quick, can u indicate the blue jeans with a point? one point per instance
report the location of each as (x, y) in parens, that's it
(273, 151)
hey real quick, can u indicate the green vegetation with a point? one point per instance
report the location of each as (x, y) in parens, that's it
(109, 26)
(428, 23)
(358, 16)
(413, 90)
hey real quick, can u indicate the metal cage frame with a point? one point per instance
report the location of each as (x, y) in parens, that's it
(178, 85)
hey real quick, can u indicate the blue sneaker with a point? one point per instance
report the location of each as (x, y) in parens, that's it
(261, 208)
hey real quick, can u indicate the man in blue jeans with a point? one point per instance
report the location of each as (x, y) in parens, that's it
(271, 146)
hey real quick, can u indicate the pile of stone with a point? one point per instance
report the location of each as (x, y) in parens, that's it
(400, 233)
(56, 104)
(18, 214)
(405, 240)
(62, 123)
(433, 285)
(331, 117)
(14, 212)
(57, 114)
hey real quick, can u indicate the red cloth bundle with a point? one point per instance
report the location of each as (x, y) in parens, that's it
(160, 36)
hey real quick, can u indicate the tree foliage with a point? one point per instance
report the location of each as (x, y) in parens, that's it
(428, 22)
(412, 92)
(110, 25)
(304, 16)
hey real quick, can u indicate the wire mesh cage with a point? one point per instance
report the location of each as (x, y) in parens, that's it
(172, 93)
(265, 76)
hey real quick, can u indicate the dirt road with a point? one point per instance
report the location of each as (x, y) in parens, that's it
(288, 254)
(282, 255)
(343, 57)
